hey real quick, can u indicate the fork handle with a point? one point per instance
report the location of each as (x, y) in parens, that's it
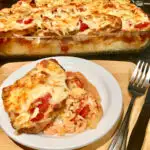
(121, 135)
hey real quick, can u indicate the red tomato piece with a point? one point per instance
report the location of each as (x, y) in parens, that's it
(32, 110)
(3, 40)
(78, 83)
(78, 111)
(142, 25)
(47, 96)
(43, 107)
(42, 103)
(64, 47)
(84, 112)
(20, 21)
(83, 26)
(38, 117)
(28, 21)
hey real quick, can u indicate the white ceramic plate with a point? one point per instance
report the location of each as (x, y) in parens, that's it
(110, 94)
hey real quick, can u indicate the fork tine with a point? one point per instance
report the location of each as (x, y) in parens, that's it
(135, 72)
(143, 76)
(146, 82)
(139, 74)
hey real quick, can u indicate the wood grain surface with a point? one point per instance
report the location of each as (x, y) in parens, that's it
(122, 72)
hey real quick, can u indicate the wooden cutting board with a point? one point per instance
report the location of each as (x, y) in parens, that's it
(122, 72)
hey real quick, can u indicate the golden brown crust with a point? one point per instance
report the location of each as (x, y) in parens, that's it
(113, 24)
(23, 100)
(39, 127)
(5, 94)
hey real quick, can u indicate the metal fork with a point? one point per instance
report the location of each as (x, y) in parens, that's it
(138, 84)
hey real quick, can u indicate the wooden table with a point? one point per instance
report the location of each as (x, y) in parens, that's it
(122, 72)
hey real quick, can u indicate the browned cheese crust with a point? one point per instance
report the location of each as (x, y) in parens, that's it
(32, 100)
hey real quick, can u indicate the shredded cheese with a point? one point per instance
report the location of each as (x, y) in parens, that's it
(62, 17)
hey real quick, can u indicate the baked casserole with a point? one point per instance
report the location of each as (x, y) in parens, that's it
(47, 27)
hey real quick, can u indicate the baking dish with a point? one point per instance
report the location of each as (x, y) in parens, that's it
(68, 45)
(42, 28)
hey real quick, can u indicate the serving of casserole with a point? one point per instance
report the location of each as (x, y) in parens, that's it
(48, 27)
(59, 103)
(51, 100)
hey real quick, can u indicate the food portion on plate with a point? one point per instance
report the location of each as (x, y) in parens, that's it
(82, 110)
(31, 100)
(51, 100)
(44, 27)
(81, 83)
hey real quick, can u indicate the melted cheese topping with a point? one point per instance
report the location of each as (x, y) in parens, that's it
(59, 93)
(36, 111)
(129, 14)
(77, 92)
(63, 17)
(46, 77)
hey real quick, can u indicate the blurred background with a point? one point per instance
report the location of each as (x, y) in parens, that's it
(6, 3)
